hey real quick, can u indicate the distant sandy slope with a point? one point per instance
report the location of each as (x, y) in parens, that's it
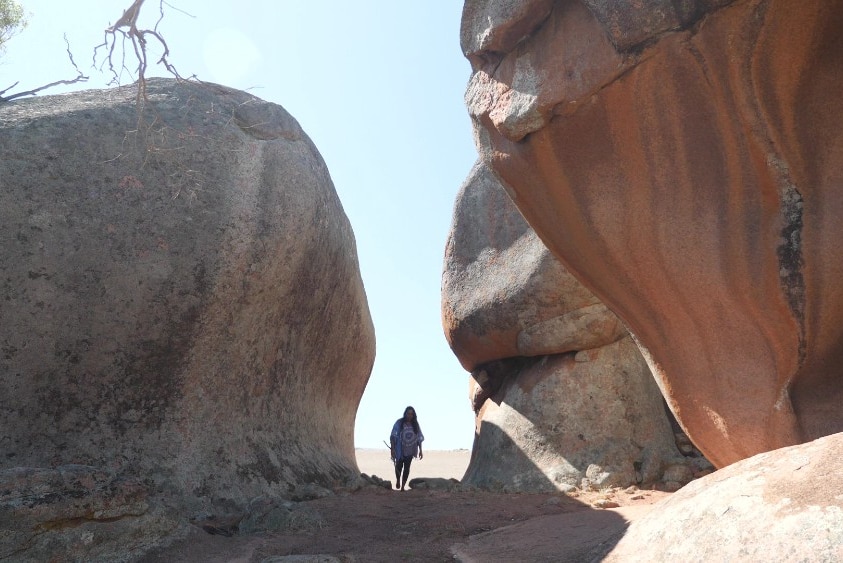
(436, 463)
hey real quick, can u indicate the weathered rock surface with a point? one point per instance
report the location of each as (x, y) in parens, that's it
(562, 396)
(80, 512)
(593, 419)
(685, 164)
(262, 514)
(181, 296)
(375, 481)
(503, 293)
(783, 505)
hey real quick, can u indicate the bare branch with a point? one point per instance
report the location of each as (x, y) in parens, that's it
(79, 78)
(141, 39)
(70, 56)
(34, 91)
(160, 16)
(129, 19)
(9, 88)
(188, 14)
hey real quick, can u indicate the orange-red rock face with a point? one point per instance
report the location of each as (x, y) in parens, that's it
(693, 180)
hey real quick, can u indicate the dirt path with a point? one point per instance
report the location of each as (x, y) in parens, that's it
(380, 525)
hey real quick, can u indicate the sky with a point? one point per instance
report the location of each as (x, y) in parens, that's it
(378, 85)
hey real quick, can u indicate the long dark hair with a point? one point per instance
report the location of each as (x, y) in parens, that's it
(414, 422)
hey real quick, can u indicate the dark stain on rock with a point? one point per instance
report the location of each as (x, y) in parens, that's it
(631, 26)
(261, 468)
(9, 351)
(200, 278)
(790, 259)
(156, 373)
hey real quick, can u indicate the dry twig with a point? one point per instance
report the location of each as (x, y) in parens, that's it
(80, 77)
(141, 39)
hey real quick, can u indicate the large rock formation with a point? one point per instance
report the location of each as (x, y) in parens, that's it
(503, 293)
(79, 513)
(181, 296)
(783, 505)
(561, 394)
(684, 161)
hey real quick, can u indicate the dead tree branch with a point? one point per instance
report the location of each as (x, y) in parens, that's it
(80, 77)
(141, 39)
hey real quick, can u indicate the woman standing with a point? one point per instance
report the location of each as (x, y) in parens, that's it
(405, 444)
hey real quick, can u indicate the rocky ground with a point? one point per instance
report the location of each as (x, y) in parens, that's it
(376, 524)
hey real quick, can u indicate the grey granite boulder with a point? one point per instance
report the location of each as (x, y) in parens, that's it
(561, 394)
(79, 513)
(181, 299)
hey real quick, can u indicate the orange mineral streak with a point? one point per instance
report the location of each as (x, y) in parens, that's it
(667, 192)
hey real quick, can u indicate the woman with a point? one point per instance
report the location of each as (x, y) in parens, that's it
(405, 443)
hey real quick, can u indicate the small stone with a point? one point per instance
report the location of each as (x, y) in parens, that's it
(670, 486)
(605, 503)
(678, 472)
(700, 464)
(434, 484)
(582, 356)
(309, 491)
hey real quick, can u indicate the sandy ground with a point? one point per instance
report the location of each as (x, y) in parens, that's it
(449, 464)
(375, 524)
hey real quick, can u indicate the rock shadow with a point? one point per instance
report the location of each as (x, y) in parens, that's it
(586, 419)
(583, 533)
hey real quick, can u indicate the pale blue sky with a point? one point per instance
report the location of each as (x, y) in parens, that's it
(378, 85)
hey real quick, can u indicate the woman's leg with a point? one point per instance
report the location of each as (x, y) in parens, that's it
(398, 464)
(407, 460)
